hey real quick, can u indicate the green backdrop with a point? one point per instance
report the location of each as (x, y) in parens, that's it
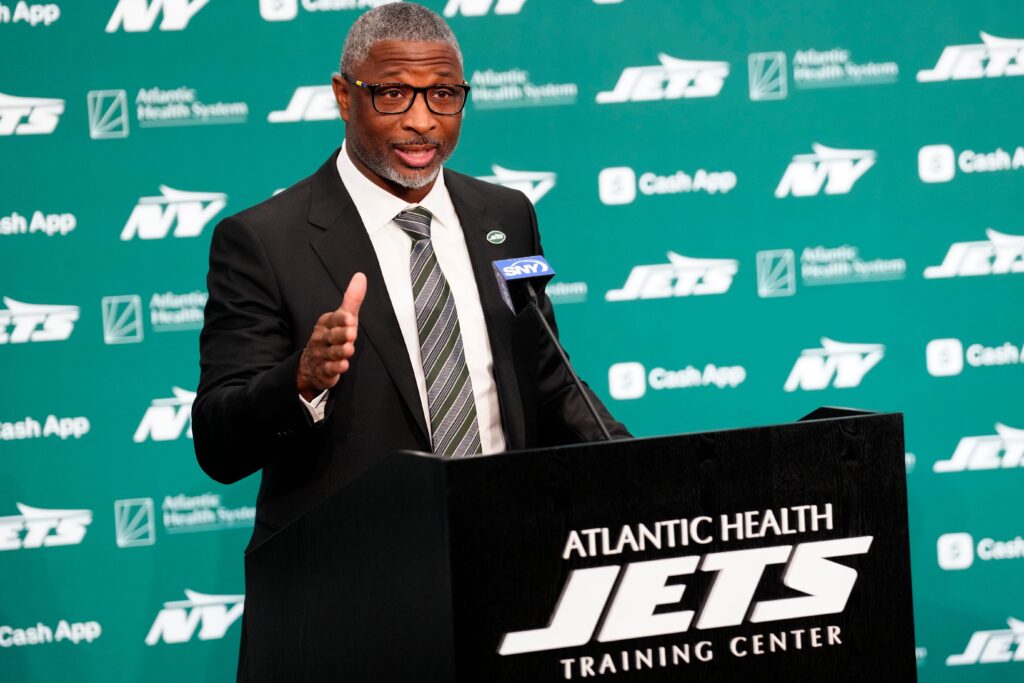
(754, 209)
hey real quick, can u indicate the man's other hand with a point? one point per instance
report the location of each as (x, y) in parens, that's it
(326, 356)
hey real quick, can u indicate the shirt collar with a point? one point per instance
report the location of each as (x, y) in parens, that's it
(378, 207)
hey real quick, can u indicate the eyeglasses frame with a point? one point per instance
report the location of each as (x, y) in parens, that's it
(372, 87)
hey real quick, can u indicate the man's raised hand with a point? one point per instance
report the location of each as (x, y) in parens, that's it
(327, 353)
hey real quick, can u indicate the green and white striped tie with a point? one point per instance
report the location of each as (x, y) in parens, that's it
(453, 424)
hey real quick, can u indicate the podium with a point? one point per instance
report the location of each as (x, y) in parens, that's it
(775, 553)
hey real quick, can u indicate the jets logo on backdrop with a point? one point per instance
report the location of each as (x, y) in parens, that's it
(186, 212)
(681, 276)
(212, 615)
(838, 364)
(29, 115)
(674, 79)
(21, 322)
(1002, 450)
(135, 16)
(38, 528)
(992, 58)
(534, 184)
(835, 170)
(1001, 254)
(166, 419)
(479, 8)
(308, 103)
(992, 647)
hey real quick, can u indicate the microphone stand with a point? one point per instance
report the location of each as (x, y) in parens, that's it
(535, 305)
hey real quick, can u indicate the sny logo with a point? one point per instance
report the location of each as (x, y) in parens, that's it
(187, 212)
(681, 276)
(534, 184)
(43, 528)
(834, 169)
(627, 608)
(1001, 254)
(836, 363)
(478, 8)
(166, 418)
(992, 647)
(212, 614)
(993, 58)
(29, 115)
(1002, 450)
(140, 15)
(36, 322)
(673, 80)
(515, 269)
(308, 103)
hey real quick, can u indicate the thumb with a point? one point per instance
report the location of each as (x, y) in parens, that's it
(354, 294)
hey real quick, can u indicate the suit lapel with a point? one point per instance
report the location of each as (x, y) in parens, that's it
(476, 223)
(344, 248)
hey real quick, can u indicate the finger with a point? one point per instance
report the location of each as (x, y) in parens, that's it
(341, 335)
(331, 369)
(342, 351)
(340, 318)
(354, 294)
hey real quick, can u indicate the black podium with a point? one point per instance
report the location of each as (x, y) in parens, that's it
(775, 553)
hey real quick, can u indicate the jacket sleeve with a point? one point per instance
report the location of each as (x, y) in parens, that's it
(562, 414)
(247, 405)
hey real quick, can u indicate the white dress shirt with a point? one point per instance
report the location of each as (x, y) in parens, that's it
(378, 208)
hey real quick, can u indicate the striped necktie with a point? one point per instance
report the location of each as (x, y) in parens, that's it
(453, 423)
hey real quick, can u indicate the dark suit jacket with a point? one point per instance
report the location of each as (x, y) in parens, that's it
(277, 267)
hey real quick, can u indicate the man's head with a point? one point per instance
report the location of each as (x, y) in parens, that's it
(399, 43)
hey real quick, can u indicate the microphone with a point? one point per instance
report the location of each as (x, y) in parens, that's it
(521, 281)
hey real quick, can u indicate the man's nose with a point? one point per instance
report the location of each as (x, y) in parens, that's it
(419, 117)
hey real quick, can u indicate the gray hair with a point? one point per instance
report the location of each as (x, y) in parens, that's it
(395, 21)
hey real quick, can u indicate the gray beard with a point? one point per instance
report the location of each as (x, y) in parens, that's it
(380, 164)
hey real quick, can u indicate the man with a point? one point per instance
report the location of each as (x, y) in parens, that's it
(421, 354)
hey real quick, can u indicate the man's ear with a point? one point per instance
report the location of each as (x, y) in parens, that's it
(343, 95)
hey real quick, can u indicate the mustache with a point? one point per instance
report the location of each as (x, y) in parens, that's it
(422, 141)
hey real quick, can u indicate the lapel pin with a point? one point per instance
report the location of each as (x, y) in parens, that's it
(495, 237)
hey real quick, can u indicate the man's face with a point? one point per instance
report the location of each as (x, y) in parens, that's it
(402, 153)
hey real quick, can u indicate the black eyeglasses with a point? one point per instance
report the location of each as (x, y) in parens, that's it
(446, 99)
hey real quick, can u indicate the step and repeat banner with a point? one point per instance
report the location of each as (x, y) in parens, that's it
(753, 209)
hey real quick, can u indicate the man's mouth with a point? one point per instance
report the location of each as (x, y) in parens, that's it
(416, 156)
